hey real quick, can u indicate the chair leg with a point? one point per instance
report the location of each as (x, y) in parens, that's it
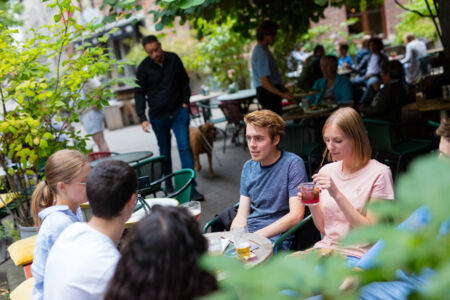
(398, 167)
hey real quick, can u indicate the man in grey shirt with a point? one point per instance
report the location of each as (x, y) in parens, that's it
(266, 77)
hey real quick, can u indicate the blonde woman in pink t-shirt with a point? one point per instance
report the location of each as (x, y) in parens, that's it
(348, 184)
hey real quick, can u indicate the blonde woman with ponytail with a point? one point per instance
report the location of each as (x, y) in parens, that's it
(56, 204)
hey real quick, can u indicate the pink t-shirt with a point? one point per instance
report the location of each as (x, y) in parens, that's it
(372, 181)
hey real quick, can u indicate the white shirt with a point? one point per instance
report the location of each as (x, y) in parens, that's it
(80, 264)
(414, 51)
(373, 67)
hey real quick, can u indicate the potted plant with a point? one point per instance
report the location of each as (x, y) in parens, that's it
(41, 93)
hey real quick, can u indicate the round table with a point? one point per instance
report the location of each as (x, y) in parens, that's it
(129, 157)
(239, 95)
(262, 253)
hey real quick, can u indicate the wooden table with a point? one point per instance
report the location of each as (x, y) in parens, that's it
(129, 157)
(262, 253)
(429, 105)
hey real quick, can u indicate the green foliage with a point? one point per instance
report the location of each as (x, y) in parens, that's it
(7, 231)
(220, 54)
(10, 12)
(320, 35)
(426, 184)
(45, 92)
(422, 27)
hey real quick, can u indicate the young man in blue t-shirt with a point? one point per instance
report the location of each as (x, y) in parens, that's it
(270, 180)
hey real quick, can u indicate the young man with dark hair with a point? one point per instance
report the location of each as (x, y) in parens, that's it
(387, 104)
(266, 78)
(269, 180)
(311, 69)
(85, 255)
(163, 85)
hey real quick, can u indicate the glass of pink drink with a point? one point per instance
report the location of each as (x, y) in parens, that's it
(310, 193)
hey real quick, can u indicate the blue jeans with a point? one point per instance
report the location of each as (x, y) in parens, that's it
(179, 124)
(369, 91)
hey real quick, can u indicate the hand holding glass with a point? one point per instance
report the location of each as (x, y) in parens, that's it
(310, 193)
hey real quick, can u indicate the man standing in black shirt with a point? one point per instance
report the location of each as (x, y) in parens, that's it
(164, 86)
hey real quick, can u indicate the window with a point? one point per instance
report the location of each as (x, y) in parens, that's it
(370, 20)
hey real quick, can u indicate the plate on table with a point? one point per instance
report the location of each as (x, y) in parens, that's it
(302, 94)
(320, 108)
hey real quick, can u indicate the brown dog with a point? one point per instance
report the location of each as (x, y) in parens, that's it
(198, 145)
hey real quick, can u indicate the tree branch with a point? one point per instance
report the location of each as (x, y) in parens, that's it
(413, 10)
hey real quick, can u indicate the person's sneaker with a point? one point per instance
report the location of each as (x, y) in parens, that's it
(196, 196)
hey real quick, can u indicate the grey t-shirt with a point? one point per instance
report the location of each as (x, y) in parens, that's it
(270, 187)
(264, 65)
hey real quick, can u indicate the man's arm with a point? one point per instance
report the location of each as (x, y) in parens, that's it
(139, 97)
(271, 88)
(243, 211)
(295, 215)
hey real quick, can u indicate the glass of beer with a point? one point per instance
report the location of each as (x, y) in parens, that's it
(214, 245)
(241, 242)
(194, 209)
(310, 193)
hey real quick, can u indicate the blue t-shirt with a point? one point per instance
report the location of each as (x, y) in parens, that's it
(348, 59)
(270, 187)
(264, 65)
(54, 220)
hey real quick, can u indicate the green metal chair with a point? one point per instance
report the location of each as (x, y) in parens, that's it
(293, 141)
(153, 168)
(182, 184)
(380, 137)
(278, 243)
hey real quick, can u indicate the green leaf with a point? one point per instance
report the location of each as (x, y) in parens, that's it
(185, 4)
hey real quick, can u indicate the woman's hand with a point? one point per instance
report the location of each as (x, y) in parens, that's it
(325, 182)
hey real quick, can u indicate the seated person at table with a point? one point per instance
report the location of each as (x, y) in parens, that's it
(334, 87)
(371, 63)
(56, 204)
(387, 104)
(364, 50)
(268, 204)
(84, 257)
(348, 184)
(415, 50)
(266, 77)
(345, 60)
(160, 259)
(311, 70)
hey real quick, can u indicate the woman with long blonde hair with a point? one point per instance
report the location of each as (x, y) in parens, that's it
(56, 204)
(348, 184)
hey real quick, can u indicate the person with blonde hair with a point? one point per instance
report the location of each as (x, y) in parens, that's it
(268, 204)
(55, 205)
(348, 184)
